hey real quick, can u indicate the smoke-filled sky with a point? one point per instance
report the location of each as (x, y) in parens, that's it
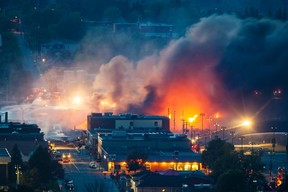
(215, 68)
(211, 69)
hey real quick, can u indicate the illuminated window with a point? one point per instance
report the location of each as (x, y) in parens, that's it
(187, 167)
(194, 166)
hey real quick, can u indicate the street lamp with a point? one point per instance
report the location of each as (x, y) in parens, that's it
(242, 138)
(18, 173)
(191, 132)
(273, 141)
(202, 116)
(191, 120)
(209, 126)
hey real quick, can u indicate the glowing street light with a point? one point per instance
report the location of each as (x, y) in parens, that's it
(242, 138)
(247, 123)
(77, 100)
(18, 173)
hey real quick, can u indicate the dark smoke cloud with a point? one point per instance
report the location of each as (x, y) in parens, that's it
(256, 58)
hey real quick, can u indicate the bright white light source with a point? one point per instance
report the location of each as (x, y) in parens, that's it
(246, 123)
(77, 100)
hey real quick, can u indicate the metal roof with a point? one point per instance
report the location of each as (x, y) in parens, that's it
(4, 155)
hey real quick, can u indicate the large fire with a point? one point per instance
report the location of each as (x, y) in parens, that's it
(184, 79)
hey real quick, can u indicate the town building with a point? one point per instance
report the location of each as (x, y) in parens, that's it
(164, 150)
(5, 158)
(147, 29)
(169, 180)
(114, 136)
(28, 137)
(107, 122)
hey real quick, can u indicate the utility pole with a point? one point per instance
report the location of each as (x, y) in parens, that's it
(273, 141)
(202, 116)
(223, 133)
(216, 127)
(174, 120)
(191, 131)
(242, 138)
(183, 126)
(209, 126)
(232, 133)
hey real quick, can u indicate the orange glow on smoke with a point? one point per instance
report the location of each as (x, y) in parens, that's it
(188, 93)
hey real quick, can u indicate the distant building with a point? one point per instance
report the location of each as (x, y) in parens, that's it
(107, 122)
(28, 137)
(169, 180)
(114, 136)
(148, 29)
(5, 158)
(127, 121)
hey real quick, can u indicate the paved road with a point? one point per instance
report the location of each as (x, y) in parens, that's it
(85, 179)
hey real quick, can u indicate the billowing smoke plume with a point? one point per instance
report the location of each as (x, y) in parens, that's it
(207, 70)
(214, 69)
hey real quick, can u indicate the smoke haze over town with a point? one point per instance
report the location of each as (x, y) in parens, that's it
(219, 63)
(222, 66)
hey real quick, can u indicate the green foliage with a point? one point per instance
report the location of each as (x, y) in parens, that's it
(232, 170)
(232, 181)
(16, 160)
(136, 160)
(42, 170)
(40, 164)
(25, 188)
(32, 178)
(217, 151)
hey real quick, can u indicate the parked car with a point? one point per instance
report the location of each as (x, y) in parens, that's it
(93, 164)
(69, 184)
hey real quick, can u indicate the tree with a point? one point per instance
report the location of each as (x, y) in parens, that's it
(40, 161)
(16, 160)
(232, 181)
(41, 171)
(136, 160)
(219, 157)
(226, 163)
